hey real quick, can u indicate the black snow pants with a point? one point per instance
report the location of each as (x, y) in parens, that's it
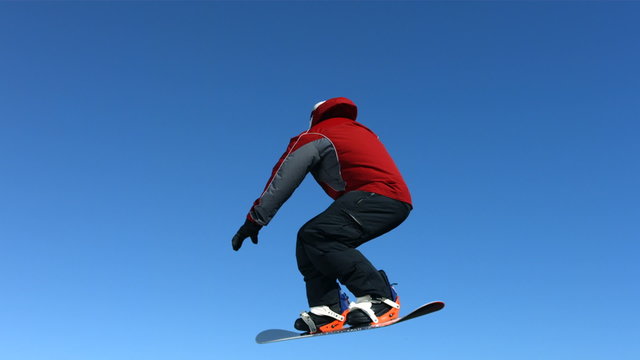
(326, 246)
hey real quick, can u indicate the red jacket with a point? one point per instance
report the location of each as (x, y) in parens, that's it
(341, 154)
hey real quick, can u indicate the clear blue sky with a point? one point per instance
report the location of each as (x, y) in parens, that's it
(135, 135)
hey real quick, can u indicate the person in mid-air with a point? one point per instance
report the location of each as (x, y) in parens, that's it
(353, 167)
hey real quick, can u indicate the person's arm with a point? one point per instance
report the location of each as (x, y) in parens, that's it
(301, 155)
(286, 176)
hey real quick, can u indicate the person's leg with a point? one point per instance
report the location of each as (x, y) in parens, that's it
(330, 239)
(321, 289)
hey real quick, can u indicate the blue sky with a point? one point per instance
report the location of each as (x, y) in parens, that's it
(135, 135)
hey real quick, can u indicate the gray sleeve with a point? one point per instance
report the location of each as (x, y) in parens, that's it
(286, 178)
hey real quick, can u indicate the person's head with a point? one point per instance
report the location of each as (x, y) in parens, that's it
(338, 107)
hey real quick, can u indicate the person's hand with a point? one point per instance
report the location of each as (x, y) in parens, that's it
(248, 229)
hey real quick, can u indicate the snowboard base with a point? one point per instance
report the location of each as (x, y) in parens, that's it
(276, 335)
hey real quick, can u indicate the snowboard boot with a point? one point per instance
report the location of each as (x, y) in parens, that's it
(324, 318)
(372, 310)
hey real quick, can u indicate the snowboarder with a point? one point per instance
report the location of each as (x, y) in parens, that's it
(370, 198)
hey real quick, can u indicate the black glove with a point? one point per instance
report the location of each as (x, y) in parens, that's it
(248, 229)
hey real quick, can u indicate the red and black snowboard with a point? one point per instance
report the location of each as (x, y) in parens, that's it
(275, 335)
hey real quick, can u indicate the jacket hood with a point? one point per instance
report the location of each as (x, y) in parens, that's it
(334, 108)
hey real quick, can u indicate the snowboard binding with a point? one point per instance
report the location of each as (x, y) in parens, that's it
(374, 310)
(324, 318)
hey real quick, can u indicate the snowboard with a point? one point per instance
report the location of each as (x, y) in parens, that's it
(275, 335)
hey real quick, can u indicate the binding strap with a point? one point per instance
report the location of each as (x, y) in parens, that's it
(309, 321)
(320, 311)
(364, 303)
